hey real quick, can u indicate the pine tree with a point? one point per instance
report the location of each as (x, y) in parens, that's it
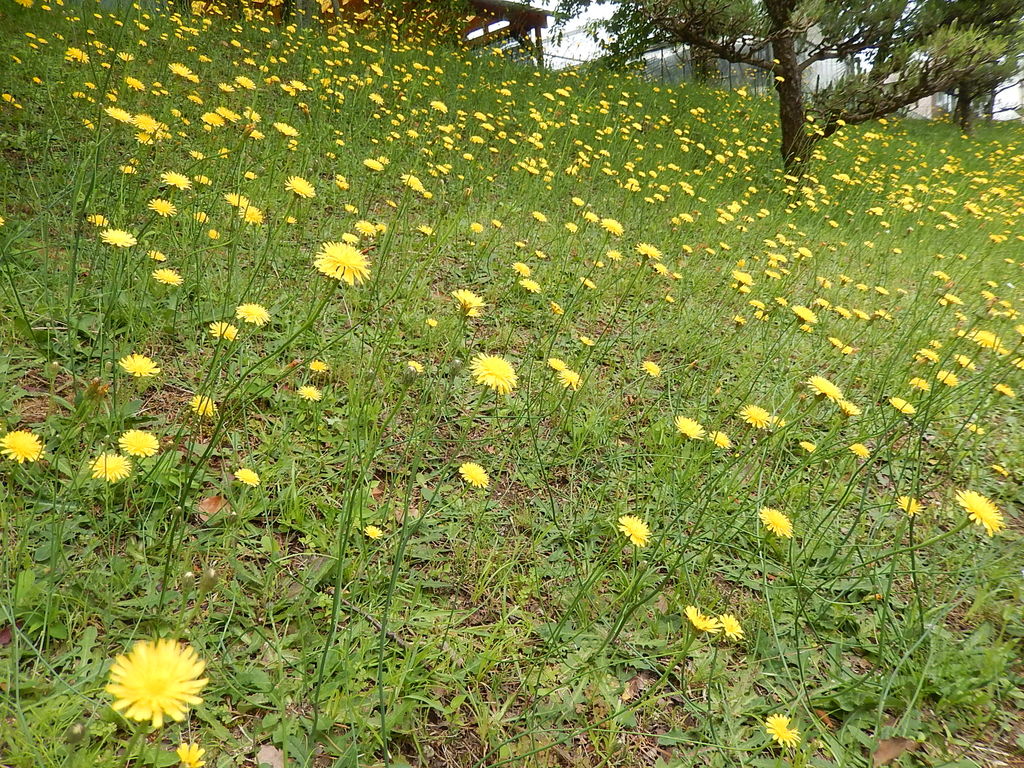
(895, 52)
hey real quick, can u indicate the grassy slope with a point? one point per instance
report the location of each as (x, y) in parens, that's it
(515, 621)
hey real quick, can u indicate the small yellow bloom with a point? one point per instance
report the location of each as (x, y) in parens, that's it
(731, 626)
(111, 467)
(776, 522)
(701, 622)
(203, 405)
(474, 474)
(756, 416)
(118, 238)
(720, 439)
(860, 450)
(248, 477)
(777, 726)
(191, 755)
(342, 262)
(635, 529)
(300, 187)
(222, 330)
(157, 680)
(256, 314)
(167, 277)
(909, 504)
(139, 366)
(469, 303)
(982, 511)
(139, 443)
(570, 379)
(310, 393)
(902, 406)
(494, 372)
(689, 427)
(21, 446)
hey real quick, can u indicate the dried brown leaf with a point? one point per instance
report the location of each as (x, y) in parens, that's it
(635, 686)
(211, 506)
(889, 749)
(270, 755)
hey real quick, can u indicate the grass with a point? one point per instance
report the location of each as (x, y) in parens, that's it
(512, 624)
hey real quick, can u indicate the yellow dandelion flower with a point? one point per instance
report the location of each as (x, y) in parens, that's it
(701, 622)
(731, 626)
(300, 187)
(469, 303)
(373, 532)
(309, 393)
(651, 368)
(21, 446)
(982, 511)
(247, 476)
(170, 178)
(191, 755)
(118, 238)
(342, 262)
(570, 379)
(256, 314)
(203, 405)
(689, 427)
(860, 450)
(167, 277)
(756, 416)
(222, 330)
(474, 475)
(902, 406)
(825, 388)
(111, 467)
(494, 372)
(805, 315)
(720, 439)
(162, 207)
(776, 522)
(848, 408)
(139, 443)
(650, 251)
(1004, 389)
(612, 226)
(909, 504)
(157, 680)
(285, 130)
(139, 366)
(635, 529)
(777, 726)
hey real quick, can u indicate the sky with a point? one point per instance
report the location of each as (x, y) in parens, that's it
(576, 44)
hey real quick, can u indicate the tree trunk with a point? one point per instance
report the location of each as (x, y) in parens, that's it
(962, 112)
(796, 143)
(990, 104)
